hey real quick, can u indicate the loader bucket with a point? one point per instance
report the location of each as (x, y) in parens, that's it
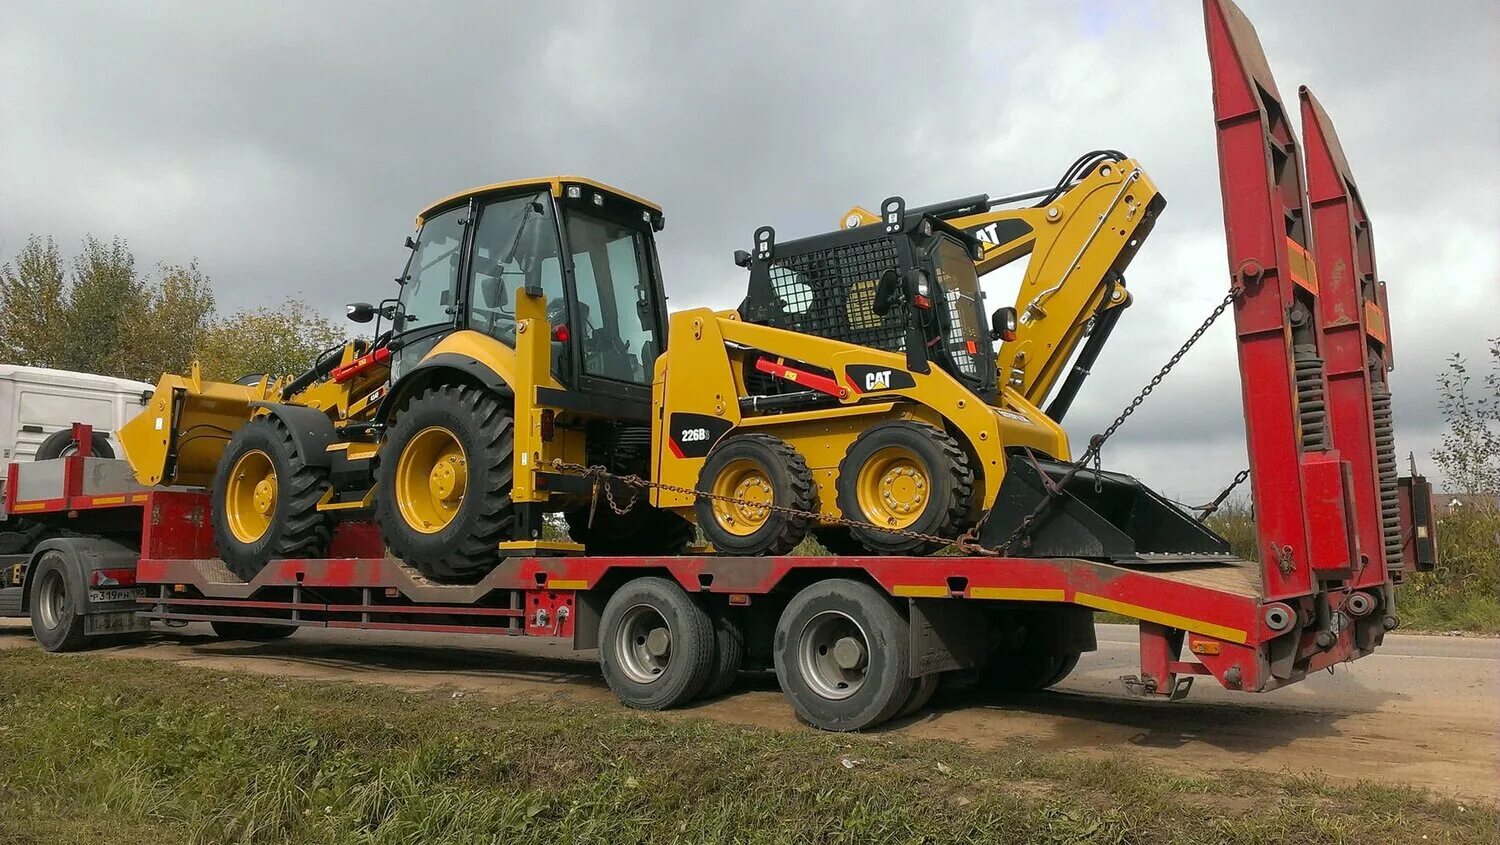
(178, 438)
(1104, 515)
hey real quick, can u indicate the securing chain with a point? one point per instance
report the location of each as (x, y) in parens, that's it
(1091, 456)
(968, 541)
(1208, 510)
(601, 476)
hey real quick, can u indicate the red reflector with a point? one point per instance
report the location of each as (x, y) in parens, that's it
(561, 334)
(921, 302)
(121, 577)
(1007, 336)
(972, 347)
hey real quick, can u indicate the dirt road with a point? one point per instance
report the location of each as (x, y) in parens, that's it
(1424, 711)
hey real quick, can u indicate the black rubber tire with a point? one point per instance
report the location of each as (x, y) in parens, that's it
(921, 693)
(642, 530)
(66, 629)
(946, 513)
(691, 662)
(468, 547)
(886, 687)
(792, 487)
(60, 443)
(298, 529)
(838, 541)
(1024, 672)
(252, 631)
(729, 654)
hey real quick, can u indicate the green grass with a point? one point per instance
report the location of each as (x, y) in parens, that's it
(105, 750)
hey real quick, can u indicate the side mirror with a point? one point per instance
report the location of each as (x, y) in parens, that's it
(359, 312)
(1003, 324)
(885, 292)
(741, 258)
(410, 244)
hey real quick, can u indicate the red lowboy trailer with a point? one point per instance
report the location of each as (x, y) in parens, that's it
(1335, 528)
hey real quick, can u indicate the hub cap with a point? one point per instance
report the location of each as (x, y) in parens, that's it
(52, 599)
(833, 655)
(644, 644)
(431, 478)
(250, 496)
(894, 487)
(747, 481)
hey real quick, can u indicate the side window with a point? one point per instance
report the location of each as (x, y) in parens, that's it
(616, 313)
(428, 293)
(514, 242)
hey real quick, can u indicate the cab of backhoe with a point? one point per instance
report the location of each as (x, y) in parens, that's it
(586, 248)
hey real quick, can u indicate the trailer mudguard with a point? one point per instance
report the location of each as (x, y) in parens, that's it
(83, 555)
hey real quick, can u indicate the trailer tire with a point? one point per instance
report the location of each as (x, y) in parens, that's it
(921, 692)
(758, 468)
(463, 519)
(61, 443)
(56, 596)
(641, 530)
(656, 645)
(276, 516)
(729, 654)
(1016, 673)
(842, 657)
(905, 476)
(252, 631)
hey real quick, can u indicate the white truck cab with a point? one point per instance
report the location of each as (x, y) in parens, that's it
(36, 403)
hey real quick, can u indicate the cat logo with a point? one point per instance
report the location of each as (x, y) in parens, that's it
(878, 380)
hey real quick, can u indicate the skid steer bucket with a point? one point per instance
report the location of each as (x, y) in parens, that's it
(178, 438)
(1101, 515)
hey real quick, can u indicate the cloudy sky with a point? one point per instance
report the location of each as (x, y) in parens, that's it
(286, 146)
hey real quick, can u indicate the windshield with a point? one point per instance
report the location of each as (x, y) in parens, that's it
(514, 244)
(967, 337)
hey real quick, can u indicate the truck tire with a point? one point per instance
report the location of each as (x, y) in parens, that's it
(61, 443)
(763, 470)
(842, 657)
(656, 645)
(265, 500)
(905, 476)
(252, 631)
(443, 482)
(641, 530)
(729, 654)
(56, 595)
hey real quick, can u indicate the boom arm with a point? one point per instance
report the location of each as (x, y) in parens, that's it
(1080, 240)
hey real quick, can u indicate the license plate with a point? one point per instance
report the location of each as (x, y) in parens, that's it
(115, 594)
(121, 622)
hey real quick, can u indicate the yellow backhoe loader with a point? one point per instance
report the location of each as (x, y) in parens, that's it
(527, 365)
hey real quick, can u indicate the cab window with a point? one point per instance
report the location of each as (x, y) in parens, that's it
(428, 286)
(615, 314)
(515, 243)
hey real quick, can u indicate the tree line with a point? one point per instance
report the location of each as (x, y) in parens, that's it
(97, 312)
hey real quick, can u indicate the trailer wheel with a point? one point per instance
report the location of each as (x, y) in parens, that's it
(841, 656)
(1024, 672)
(265, 500)
(905, 476)
(729, 654)
(252, 631)
(444, 480)
(641, 530)
(656, 645)
(759, 470)
(921, 693)
(55, 596)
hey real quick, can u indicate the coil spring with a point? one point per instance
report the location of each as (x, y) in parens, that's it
(1312, 408)
(1385, 464)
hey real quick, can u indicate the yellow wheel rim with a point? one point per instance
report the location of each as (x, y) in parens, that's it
(894, 487)
(747, 481)
(250, 496)
(431, 478)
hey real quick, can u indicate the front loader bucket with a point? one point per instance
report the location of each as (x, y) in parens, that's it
(1105, 515)
(182, 432)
